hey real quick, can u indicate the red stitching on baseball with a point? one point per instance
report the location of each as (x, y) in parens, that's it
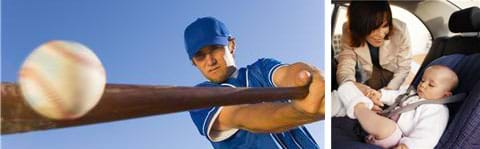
(30, 73)
(58, 47)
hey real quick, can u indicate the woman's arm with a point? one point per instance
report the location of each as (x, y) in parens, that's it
(347, 59)
(404, 56)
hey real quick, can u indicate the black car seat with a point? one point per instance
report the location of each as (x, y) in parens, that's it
(462, 54)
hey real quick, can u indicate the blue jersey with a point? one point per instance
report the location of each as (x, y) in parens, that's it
(259, 74)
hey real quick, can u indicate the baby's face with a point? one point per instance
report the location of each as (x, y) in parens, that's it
(436, 83)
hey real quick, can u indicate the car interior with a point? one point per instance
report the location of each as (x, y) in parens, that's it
(458, 49)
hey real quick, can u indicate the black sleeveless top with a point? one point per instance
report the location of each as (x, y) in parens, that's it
(374, 55)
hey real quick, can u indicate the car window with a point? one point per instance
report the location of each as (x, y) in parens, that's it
(337, 33)
(463, 4)
(420, 37)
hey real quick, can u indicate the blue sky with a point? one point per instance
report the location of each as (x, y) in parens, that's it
(141, 42)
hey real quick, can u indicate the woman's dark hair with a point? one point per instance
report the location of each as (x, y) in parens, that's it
(366, 16)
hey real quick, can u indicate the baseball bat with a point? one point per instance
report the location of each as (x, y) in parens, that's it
(123, 101)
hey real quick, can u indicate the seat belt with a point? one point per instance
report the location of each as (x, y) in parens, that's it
(392, 112)
(400, 98)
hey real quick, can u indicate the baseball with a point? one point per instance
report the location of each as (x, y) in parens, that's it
(62, 80)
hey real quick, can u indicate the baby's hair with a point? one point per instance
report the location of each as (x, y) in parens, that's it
(453, 75)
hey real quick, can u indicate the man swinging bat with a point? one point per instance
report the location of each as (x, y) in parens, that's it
(210, 46)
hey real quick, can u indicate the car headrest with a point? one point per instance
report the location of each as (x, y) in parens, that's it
(465, 20)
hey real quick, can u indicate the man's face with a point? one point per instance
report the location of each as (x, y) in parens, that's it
(436, 83)
(213, 62)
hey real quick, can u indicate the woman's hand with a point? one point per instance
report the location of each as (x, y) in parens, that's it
(375, 96)
(362, 87)
(387, 88)
(401, 146)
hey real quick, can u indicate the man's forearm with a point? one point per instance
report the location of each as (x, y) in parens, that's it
(278, 117)
(268, 117)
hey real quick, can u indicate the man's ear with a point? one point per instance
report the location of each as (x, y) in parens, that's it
(193, 63)
(231, 45)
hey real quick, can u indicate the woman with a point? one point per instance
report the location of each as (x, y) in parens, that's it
(375, 43)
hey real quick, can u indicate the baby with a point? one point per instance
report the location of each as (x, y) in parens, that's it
(418, 128)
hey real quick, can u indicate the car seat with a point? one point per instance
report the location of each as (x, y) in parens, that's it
(461, 53)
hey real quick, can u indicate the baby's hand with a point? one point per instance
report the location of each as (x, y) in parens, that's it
(372, 94)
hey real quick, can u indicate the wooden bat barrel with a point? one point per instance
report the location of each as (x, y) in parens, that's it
(122, 101)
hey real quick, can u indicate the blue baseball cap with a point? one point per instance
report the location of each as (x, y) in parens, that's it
(204, 32)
